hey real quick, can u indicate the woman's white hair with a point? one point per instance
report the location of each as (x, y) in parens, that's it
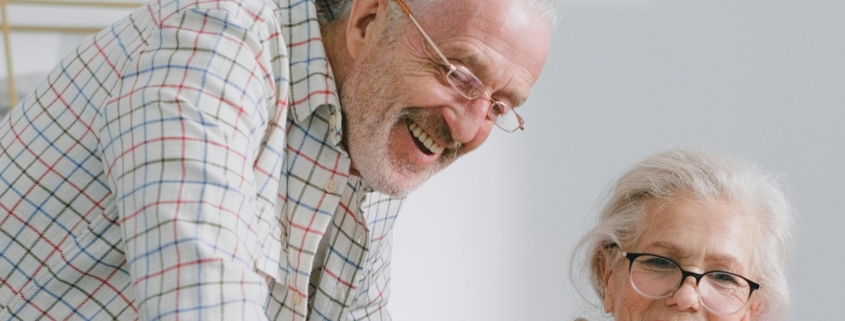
(700, 175)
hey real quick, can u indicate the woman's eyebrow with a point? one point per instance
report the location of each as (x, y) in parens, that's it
(668, 249)
(722, 259)
(673, 250)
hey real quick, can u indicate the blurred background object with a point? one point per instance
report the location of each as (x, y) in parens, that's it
(37, 34)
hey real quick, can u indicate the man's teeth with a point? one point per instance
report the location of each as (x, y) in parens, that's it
(423, 137)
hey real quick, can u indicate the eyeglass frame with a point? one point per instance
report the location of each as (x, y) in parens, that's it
(452, 68)
(684, 275)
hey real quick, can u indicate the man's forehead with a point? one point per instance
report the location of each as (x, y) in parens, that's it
(459, 13)
(493, 39)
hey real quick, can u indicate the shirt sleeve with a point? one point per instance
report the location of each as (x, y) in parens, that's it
(180, 142)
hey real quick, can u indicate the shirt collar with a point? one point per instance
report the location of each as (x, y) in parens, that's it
(312, 83)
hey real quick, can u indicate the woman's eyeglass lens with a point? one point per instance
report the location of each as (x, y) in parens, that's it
(657, 277)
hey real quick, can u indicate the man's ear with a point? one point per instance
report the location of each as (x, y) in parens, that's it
(365, 24)
(607, 279)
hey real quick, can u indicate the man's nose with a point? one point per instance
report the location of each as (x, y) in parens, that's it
(685, 297)
(469, 116)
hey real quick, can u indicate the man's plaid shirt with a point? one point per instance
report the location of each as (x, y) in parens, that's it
(184, 164)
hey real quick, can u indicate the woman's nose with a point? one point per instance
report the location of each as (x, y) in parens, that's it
(685, 297)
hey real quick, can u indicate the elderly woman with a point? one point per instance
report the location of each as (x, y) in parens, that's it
(689, 235)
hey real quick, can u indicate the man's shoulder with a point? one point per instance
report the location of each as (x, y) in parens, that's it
(248, 12)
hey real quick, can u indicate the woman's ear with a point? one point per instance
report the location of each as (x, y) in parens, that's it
(608, 283)
(365, 24)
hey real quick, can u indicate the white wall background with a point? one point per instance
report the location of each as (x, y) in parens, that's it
(764, 80)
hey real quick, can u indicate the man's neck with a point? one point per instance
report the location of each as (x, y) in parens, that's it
(334, 42)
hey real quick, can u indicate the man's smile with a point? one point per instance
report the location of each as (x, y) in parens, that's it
(421, 138)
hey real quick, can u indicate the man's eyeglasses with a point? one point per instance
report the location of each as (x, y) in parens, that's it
(657, 277)
(468, 85)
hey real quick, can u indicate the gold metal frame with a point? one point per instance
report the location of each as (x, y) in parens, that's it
(6, 28)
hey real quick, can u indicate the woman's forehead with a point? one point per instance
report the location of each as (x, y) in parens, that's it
(712, 231)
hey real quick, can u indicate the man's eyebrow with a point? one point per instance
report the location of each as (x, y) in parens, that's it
(472, 60)
(515, 99)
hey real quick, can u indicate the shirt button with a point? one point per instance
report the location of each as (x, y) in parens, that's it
(296, 298)
(330, 186)
(332, 121)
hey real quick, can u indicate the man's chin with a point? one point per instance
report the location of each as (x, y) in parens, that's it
(394, 182)
(396, 185)
(394, 176)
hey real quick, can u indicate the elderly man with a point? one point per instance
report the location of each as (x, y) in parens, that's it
(244, 161)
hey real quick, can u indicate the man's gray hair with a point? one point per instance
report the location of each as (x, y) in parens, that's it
(340, 8)
(666, 176)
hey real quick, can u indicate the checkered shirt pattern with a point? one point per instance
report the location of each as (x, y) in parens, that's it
(184, 164)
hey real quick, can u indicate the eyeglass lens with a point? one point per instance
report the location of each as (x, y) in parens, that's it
(471, 87)
(504, 117)
(657, 277)
(465, 82)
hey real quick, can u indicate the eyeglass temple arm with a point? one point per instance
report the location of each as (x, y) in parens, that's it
(427, 38)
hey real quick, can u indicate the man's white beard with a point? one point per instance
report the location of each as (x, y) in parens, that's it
(371, 101)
